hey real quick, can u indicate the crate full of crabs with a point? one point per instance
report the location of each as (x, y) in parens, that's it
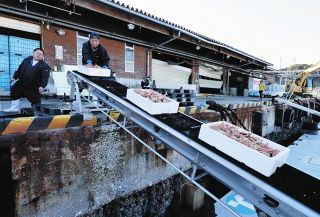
(152, 101)
(256, 152)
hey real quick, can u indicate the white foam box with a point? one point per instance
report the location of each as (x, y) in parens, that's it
(152, 107)
(252, 158)
(96, 72)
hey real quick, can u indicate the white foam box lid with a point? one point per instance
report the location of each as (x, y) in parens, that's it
(252, 158)
(152, 107)
(96, 72)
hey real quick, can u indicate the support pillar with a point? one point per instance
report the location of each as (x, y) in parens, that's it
(195, 75)
(225, 78)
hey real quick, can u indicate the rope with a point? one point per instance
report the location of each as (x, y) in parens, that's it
(226, 112)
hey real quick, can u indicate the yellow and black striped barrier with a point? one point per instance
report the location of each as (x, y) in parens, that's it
(186, 110)
(117, 116)
(247, 105)
(25, 124)
(192, 109)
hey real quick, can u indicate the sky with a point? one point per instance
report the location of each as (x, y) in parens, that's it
(282, 32)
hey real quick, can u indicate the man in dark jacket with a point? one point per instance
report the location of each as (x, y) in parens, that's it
(113, 76)
(31, 78)
(93, 53)
(146, 83)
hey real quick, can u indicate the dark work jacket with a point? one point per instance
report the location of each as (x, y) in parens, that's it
(41, 72)
(29, 75)
(99, 57)
(112, 78)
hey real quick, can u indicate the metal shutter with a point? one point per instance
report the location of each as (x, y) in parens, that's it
(170, 76)
(210, 83)
(19, 25)
(210, 73)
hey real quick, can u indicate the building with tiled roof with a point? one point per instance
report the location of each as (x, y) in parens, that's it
(139, 44)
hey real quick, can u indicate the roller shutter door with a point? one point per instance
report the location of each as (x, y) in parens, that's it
(19, 25)
(210, 83)
(170, 76)
(211, 72)
(208, 73)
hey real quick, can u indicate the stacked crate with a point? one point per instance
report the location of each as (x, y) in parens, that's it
(184, 97)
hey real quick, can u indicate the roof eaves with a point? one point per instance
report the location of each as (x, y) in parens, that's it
(177, 27)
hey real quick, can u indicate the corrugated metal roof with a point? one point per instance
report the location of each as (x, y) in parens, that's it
(144, 14)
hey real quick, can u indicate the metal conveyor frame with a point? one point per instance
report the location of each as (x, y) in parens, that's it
(231, 175)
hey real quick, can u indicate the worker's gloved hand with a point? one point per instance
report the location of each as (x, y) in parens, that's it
(41, 90)
(89, 63)
(12, 80)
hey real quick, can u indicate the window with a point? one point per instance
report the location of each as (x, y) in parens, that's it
(81, 38)
(129, 57)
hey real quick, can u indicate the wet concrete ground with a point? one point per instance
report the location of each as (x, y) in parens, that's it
(305, 154)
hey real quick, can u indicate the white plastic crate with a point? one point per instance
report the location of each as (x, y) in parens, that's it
(252, 158)
(98, 72)
(152, 107)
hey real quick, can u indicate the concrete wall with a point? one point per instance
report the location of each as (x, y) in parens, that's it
(76, 171)
(151, 201)
(246, 116)
(268, 120)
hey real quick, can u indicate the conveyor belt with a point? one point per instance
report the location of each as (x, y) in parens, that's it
(294, 183)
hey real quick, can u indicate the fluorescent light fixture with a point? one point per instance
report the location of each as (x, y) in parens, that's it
(131, 26)
(61, 32)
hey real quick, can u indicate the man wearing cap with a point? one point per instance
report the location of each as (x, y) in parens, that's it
(93, 53)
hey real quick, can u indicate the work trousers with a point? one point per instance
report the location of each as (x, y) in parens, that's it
(260, 92)
(18, 90)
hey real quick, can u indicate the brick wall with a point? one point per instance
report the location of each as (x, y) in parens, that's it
(116, 51)
(140, 67)
(50, 38)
